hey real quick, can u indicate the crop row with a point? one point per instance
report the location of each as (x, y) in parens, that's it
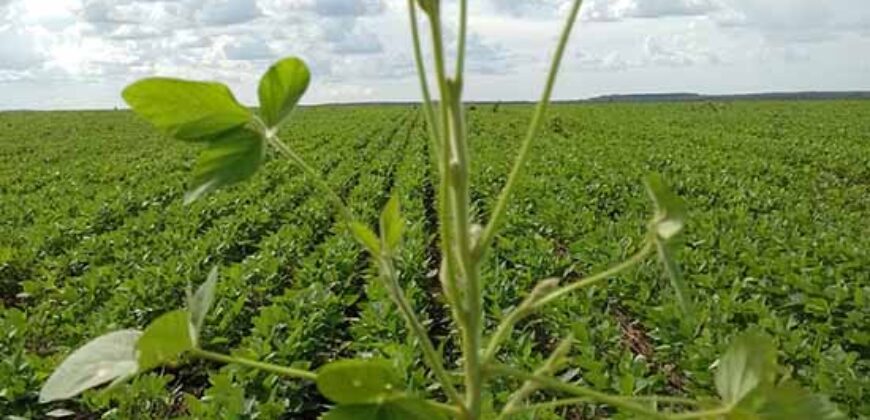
(93, 237)
(777, 239)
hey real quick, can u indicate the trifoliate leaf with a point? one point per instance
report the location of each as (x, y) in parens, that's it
(187, 110)
(789, 401)
(101, 360)
(358, 381)
(166, 338)
(229, 158)
(749, 363)
(280, 89)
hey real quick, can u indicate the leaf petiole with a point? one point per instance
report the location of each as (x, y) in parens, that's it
(555, 384)
(268, 367)
(312, 173)
(529, 306)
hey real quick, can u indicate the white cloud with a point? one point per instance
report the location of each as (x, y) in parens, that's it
(324, 8)
(18, 50)
(612, 61)
(661, 8)
(488, 57)
(347, 36)
(677, 51)
(348, 8)
(360, 49)
(247, 47)
(606, 10)
(529, 8)
(228, 12)
(796, 20)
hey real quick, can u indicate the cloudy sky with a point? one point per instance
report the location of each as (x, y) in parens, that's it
(81, 53)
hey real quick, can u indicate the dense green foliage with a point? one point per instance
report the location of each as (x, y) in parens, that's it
(94, 237)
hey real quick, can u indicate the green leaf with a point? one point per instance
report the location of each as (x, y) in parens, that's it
(667, 255)
(201, 301)
(670, 210)
(358, 381)
(366, 237)
(101, 360)
(232, 157)
(166, 338)
(789, 401)
(401, 408)
(749, 363)
(392, 224)
(280, 89)
(184, 109)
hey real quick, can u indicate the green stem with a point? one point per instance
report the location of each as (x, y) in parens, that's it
(551, 365)
(582, 400)
(529, 306)
(268, 367)
(463, 34)
(473, 333)
(546, 405)
(432, 356)
(446, 273)
(311, 173)
(537, 119)
(458, 193)
(604, 275)
(454, 190)
(429, 111)
(592, 394)
(450, 410)
(448, 230)
(702, 413)
(665, 399)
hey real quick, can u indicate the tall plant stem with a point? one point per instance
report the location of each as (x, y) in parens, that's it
(463, 35)
(448, 282)
(456, 163)
(428, 110)
(448, 231)
(473, 332)
(537, 119)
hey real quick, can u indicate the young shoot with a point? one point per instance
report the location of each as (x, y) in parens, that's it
(236, 142)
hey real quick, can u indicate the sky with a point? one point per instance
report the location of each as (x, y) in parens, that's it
(73, 54)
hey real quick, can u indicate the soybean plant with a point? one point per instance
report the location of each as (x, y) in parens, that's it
(236, 142)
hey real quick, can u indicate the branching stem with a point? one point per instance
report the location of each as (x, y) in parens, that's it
(433, 358)
(537, 119)
(313, 174)
(555, 384)
(534, 302)
(604, 275)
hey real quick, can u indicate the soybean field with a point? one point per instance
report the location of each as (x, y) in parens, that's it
(94, 236)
